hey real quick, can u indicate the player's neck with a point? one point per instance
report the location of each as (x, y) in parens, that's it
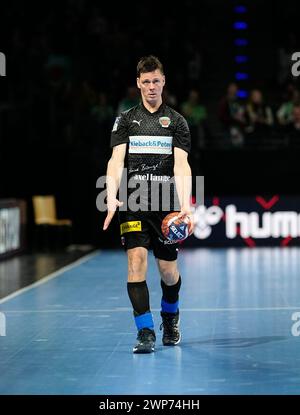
(152, 107)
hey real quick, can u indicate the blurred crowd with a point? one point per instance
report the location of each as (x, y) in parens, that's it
(71, 69)
(255, 122)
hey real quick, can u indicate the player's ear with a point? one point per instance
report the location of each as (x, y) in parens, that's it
(138, 83)
(164, 80)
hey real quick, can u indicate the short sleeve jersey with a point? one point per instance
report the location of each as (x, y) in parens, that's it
(150, 139)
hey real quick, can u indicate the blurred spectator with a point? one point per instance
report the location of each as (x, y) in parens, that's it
(130, 100)
(169, 98)
(58, 68)
(102, 112)
(293, 128)
(195, 114)
(82, 97)
(85, 97)
(285, 111)
(296, 118)
(232, 115)
(258, 115)
(102, 115)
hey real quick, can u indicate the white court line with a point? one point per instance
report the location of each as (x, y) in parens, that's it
(119, 310)
(50, 276)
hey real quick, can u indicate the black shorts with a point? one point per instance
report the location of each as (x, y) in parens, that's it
(144, 229)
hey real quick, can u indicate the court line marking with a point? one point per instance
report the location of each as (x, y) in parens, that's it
(120, 310)
(51, 276)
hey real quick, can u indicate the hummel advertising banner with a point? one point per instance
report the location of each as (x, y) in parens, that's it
(247, 221)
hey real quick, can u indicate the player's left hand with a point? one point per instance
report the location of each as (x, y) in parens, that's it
(186, 212)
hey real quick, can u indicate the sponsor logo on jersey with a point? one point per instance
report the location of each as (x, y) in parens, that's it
(131, 226)
(144, 144)
(116, 123)
(137, 122)
(164, 122)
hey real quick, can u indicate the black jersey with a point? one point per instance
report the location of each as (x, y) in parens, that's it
(151, 138)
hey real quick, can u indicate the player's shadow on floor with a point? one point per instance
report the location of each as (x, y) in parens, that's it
(236, 342)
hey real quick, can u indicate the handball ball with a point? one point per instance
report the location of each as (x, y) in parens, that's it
(175, 229)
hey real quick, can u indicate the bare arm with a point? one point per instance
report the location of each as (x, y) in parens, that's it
(113, 178)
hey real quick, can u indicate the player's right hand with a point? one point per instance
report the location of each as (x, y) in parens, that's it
(111, 210)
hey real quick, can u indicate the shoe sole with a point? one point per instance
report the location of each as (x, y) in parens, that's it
(143, 351)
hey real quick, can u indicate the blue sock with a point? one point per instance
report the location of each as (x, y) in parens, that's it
(144, 321)
(169, 307)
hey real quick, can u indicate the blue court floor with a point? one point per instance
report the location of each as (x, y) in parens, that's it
(73, 332)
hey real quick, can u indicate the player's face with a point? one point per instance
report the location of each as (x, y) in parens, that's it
(151, 85)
